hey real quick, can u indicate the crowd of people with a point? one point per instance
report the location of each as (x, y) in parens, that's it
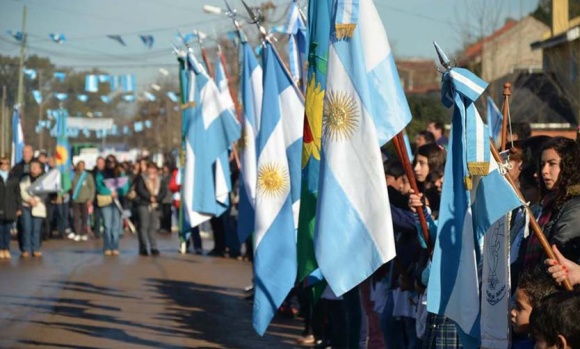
(389, 309)
(102, 202)
(386, 311)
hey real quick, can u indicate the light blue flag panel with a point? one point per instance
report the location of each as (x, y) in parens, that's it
(91, 83)
(31, 73)
(60, 76)
(58, 38)
(37, 96)
(61, 96)
(128, 82)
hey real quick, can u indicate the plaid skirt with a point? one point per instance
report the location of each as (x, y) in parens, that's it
(440, 333)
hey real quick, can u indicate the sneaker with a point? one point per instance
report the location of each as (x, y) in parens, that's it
(182, 248)
(25, 255)
(154, 252)
(71, 236)
(115, 252)
(143, 253)
(37, 254)
(304, 340)
(2, 255)
(7, 254)
(108, 253)
(77, 238)
(84, 238)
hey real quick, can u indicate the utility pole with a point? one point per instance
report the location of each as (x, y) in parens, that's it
(41, 133)
(20, 99)
(5, 129)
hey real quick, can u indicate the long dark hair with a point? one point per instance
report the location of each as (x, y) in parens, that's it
(569, 153)
(112, 172)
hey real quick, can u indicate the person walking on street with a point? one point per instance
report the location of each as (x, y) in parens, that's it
(83, 194)
(33, 213)
(150, 193)
(10, 205)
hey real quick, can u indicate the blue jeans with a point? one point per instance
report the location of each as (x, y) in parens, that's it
(31, 229)
(5, 227)
(112, 222)
(61, 212)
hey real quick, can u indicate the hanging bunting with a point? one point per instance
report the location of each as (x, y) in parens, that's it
(126, 130)
(138, 126)
(163, 71)
(86, 132)
(49, 114)
(149, 96)
(113, 82)
(58, 38)
(38, 129)
(31, 73)
(156, 87)
(128, 82)
(148, 123)
(106, 99)
(103, 78)
(37, 95)
(148, 40)
(118, 39)
(129, 98)
(115, 130)
(83, 98)
(173, 96)
(61, 96)
(59, 75)
(15, 34)
(91, 83)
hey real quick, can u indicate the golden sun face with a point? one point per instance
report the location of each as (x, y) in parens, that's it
(341, 116)
(273, 180)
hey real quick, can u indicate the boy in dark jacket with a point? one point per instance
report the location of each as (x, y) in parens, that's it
(10, 205)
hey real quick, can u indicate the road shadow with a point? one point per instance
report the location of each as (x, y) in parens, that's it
(220, 315)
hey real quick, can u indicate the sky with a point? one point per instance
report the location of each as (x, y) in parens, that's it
(411, 25)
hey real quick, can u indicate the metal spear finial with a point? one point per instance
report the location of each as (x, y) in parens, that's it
(443, 59)
(256, 18)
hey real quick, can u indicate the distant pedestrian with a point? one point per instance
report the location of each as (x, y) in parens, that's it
(10, 205)
(150, 193)
(33, 213)
(83, 194)
(438, 130)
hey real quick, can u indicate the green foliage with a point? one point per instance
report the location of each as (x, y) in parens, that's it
(425, 109)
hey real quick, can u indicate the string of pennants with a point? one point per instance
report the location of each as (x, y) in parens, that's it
(38, 98)
(74, 132)
(60, 38)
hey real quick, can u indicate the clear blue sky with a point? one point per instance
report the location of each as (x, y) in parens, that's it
(411, 25)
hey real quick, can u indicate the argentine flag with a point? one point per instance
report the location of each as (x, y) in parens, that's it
(251, 89)
(470, 203)
(279, 147)
(296, 29)
(494, 120)
(211, 129)
(364, 107)
(17, 138)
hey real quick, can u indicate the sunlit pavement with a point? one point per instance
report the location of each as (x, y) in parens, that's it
(75, 297)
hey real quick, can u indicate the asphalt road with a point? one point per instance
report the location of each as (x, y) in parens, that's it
(75, 297)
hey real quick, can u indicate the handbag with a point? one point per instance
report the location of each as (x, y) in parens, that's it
(104, 200)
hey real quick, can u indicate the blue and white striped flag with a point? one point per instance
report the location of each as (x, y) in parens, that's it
(364, 107)
(474, 196)
(494, 120)
(83, 98)
(296, 29)
(279, 149)
(114, 82)
(211, 129)
(17, 137)
(91, 83)
(37, 95)
(128, 82)
(59, 38)
(252, 91)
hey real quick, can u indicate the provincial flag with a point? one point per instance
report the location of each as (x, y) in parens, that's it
(494, 120)
(17, 137)
(62, 153)
(364, 107)
(279, 145)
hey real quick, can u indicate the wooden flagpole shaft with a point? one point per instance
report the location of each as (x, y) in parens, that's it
(505, 111)
(207, 62)
(535, 226)
(399, 142)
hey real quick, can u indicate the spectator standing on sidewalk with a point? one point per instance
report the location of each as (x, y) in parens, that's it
(33, 213)
(10, 205)
(166, 203)
(83, 194)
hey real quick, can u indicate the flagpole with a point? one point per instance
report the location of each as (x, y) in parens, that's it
(533, 223)
(41, 134)
(399, 142)
(506, 112)
(4, 129)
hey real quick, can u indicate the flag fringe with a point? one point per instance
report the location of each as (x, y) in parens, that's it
(344, 31)
(478, 168)
(468, 182)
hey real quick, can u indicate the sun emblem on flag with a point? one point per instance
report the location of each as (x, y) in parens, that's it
(341, 116)
(61, 155)
(273, 179)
